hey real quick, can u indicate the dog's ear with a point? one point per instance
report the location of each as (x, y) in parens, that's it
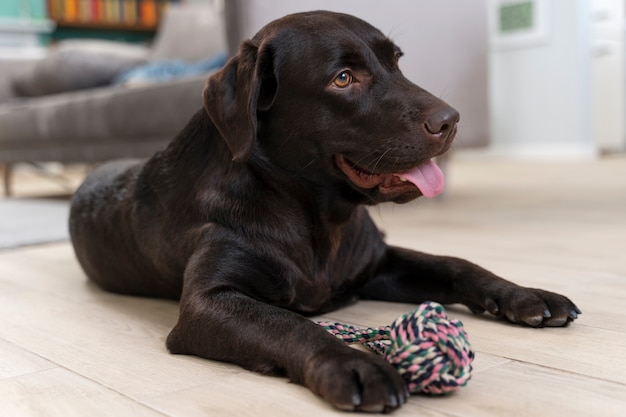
(232, 96)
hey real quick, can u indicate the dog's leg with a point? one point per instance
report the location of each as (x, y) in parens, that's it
(409, 276)
(229, 326)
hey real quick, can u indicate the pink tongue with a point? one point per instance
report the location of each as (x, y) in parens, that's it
(428, 177)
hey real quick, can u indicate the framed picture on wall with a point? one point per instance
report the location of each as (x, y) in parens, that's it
(518, 23)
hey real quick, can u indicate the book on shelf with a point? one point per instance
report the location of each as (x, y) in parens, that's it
(108, 13)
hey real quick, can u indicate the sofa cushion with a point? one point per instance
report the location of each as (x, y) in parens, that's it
(78, 64)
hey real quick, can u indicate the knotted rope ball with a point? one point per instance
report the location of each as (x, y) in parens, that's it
(430, 351)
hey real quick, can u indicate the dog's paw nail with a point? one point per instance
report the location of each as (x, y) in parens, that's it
(547, 313)
(574, 314)
(492, 307)
(392, 403)
(509, 315)
(557, 322)
(534, 321)
(475, 309)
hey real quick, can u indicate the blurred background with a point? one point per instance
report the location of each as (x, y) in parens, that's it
(84, 81)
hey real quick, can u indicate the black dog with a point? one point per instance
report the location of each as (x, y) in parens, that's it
(254, 214)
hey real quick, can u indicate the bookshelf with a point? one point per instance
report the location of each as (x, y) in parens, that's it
(107, 15)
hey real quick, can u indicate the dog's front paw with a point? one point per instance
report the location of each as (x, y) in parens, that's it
(533, 307)
(357, 381)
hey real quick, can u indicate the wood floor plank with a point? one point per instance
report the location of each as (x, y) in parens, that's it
(119, 342)
(244, 398)
(60, 393)
(526, 390)
(15, 361)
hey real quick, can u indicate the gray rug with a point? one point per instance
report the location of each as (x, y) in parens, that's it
(26, 222)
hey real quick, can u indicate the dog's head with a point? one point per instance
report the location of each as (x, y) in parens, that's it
(321, 96)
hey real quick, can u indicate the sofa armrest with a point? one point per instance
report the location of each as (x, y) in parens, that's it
(11, 66)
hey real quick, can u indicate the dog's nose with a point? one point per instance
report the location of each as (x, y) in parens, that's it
(441, 121)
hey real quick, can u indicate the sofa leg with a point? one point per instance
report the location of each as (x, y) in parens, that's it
(7, 172)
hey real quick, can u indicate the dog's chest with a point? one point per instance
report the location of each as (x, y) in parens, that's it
(327, 273)
(320, 264)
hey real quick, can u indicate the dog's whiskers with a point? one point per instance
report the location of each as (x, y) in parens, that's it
(380, 158)
(359, 162)
(305, 167)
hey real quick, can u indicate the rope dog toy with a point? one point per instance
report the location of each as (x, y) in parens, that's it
(431, 352)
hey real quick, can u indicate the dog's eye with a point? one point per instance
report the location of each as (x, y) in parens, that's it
(343, 80)
(399, 54)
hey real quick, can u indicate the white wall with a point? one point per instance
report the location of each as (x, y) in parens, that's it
(562, 95)
(608, 75)
(540, 92)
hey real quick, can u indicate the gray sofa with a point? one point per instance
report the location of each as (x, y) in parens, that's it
(111, 121)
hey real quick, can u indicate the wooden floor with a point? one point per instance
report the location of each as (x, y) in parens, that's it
(69, 349)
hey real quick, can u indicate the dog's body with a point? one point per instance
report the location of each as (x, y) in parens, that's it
(254, 213)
